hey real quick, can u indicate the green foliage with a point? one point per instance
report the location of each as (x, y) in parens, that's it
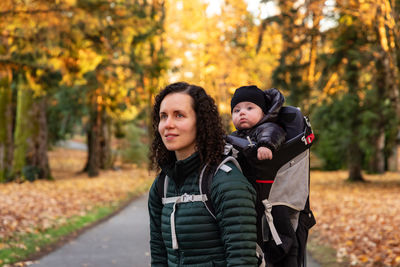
(64, 112)
(30, 173)
(378, 115)
(329, 123)
(332, 125)
(134, 148)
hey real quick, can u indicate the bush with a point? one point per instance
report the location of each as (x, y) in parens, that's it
(30, 173)
(332, 136)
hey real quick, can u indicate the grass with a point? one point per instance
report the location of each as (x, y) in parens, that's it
(28, 247)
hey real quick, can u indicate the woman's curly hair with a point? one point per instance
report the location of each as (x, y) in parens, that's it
(210, 133)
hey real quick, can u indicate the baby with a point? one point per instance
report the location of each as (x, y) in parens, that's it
(249, 107)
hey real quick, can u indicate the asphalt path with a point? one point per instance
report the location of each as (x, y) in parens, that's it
(122, 240)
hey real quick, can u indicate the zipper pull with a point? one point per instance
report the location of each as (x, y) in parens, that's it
(250, 142)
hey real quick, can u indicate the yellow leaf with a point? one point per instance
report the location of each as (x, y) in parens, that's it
(56, 63)
(363, 258)
(71, 2)
(34, 86)
(88, 60)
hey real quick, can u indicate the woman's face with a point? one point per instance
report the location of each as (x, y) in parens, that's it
(177, 125)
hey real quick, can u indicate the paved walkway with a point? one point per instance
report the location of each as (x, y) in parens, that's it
(122, 241)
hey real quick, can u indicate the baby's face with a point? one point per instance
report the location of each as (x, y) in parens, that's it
(246, 114)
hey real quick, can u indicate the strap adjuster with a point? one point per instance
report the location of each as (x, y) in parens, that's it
(309, 139)
(186, 198)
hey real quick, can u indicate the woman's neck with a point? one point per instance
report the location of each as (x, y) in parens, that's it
(181, 155)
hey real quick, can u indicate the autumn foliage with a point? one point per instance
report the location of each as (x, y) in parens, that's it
(360, 220)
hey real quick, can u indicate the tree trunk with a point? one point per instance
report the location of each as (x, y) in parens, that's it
(394, 160)
(30, 137)
(377, 161)
(106, 159)
(23, 127)
(40, 158)
(98, 139)
(354, 157)
(6, 123)
(316, 12)
(390, 44)
(93, 137)
(354, 160)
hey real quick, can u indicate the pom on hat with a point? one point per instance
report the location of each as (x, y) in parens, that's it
(251, 94)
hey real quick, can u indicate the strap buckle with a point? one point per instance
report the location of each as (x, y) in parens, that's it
(309, 139)
(186, 198)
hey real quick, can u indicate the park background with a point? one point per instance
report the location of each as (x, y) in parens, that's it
(87, 71)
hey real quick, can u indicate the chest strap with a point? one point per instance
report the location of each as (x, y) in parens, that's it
(202, 197)
(176, 200)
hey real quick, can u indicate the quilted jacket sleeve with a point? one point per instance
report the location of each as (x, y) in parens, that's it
(234, 198)
(271, 135)
(157, 247)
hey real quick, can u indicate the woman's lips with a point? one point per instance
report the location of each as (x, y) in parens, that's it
(170, 137)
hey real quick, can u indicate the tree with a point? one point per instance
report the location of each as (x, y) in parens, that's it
(30, 136)
(299, 24)
(358, 66)
(218, 50)
(87, 46)
(6, 123)
(124, 44)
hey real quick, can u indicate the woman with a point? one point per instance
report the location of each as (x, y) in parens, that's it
(188, 136)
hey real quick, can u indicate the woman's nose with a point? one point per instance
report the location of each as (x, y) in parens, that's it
(169, 123)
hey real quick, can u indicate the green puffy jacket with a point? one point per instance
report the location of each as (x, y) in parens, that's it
(227, 240)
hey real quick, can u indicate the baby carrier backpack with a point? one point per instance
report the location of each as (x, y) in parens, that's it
(282, 184)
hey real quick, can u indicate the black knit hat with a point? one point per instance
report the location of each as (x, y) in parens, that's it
(251, 94)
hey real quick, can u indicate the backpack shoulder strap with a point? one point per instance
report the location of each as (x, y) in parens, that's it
(162, 185)
(205, 181)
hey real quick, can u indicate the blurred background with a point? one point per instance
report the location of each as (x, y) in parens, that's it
(86, 72)
(92, 68)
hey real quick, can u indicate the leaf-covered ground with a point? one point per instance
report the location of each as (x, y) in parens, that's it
(31, 207)
(362, 220)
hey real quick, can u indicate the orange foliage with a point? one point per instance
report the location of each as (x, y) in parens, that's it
(361, 221)
(31, 207)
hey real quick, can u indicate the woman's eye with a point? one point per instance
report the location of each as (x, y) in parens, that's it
(163, 116)
(179, 115)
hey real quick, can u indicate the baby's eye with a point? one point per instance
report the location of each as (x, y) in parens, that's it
(249, 108)
(236, 110)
